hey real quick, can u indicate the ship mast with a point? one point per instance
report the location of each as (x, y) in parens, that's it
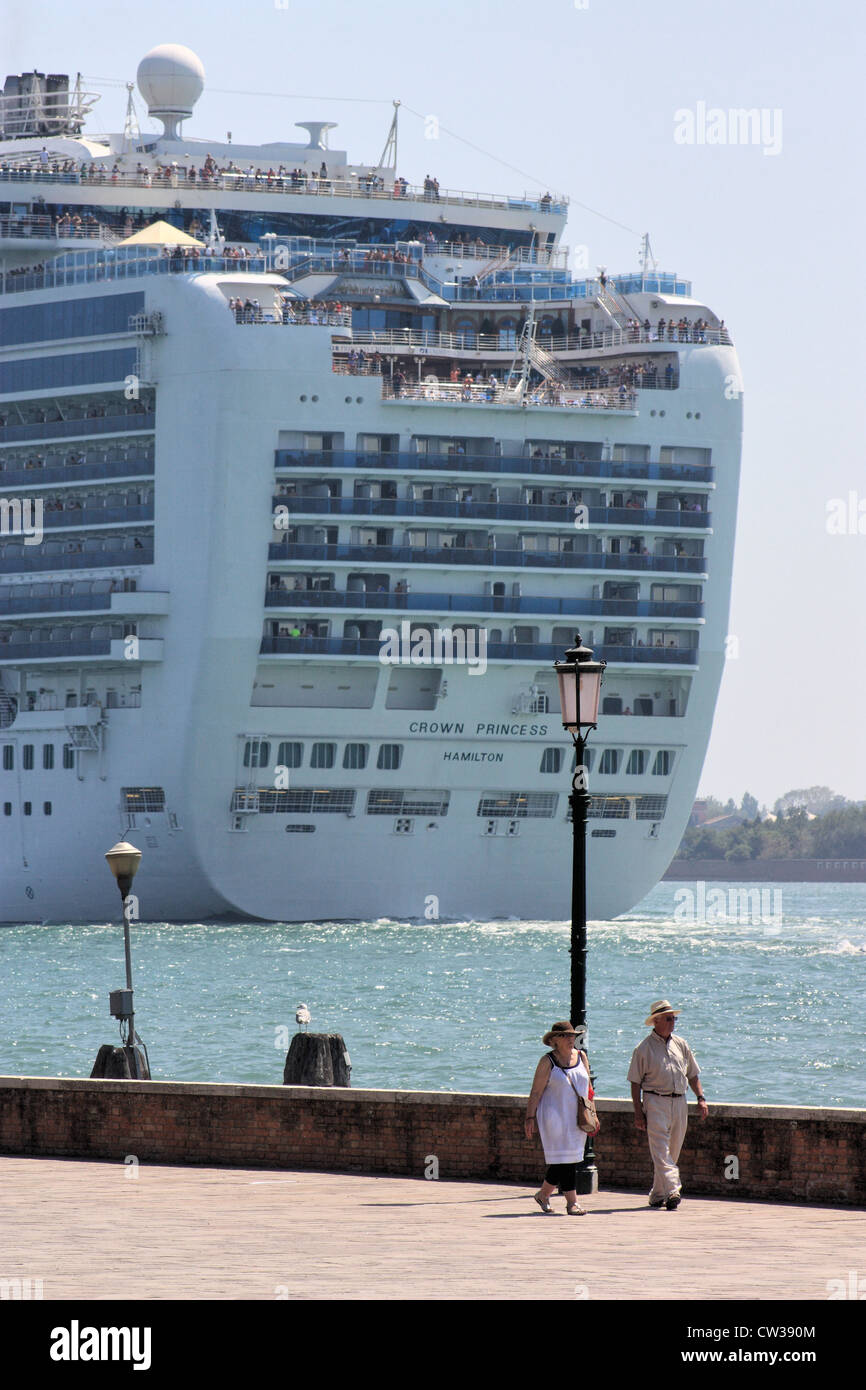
(389, 154)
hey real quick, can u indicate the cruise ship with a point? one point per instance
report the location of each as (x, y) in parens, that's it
(308, 474)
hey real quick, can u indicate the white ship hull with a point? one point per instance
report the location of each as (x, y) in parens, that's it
(182, 714)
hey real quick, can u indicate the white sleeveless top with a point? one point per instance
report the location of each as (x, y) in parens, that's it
(561, 1139)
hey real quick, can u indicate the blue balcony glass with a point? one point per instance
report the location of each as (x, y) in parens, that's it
(136, 467)
(451, 556)
(73, 429)
(484, 463)
(495, 651)
(562, 514)
(570, 608)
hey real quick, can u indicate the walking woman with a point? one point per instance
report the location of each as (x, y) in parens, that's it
(560, 1076)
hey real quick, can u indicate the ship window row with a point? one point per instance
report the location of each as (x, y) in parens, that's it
(107, 549)
(28, 756)
(70, 464)
(480, 540)
(70, 318)
(464, 499)
(365, 588)
(27, 808)
(370, 447)
(72, 369)
(290, 754)
(66, 417)
(618, 643)
(491, 806)
(51, 699)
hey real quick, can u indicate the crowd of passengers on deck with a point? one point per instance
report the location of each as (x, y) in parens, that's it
(281, 178)
(290, 311)
(683, 331)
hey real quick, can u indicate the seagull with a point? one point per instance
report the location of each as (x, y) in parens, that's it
(302, 1015)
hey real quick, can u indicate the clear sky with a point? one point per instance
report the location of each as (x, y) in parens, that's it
(581, 98)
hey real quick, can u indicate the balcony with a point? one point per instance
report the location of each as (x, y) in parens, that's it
(73, 429)
(290, 599)
(433, 340)
(34, 559)
(498, 464)
(351, 185)
(37, 476)
(115, 601)
(561, 514)
(520, 559)
(552, 397)
(97, 516)
(61, 649)
(495, 651)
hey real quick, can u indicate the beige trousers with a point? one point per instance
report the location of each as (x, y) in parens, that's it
(666, 1120)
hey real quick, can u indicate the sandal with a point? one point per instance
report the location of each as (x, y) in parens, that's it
(542, 1202)
(576, 1210)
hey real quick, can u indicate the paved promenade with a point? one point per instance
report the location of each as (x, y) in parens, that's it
(222, 1233)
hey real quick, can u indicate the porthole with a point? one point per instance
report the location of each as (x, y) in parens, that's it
(688, 415)
(314, 398)
(652, 412)
(697, 415)
(348, 400)
(661, 413)
(359, 400)
(303, 398)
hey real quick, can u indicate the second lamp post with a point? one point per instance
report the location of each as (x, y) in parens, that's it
(579, 692)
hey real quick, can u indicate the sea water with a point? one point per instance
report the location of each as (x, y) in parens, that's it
(773, 1002)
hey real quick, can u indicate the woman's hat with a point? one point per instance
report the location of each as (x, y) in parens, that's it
(661, 1006)
(559, 1030)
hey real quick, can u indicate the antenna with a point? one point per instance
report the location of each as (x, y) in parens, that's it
(389, 154)
(131, 131)
(648, 262)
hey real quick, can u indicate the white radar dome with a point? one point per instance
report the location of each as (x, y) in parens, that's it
(171, 80)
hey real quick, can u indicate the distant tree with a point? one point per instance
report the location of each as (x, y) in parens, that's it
(818, 800)
(749, 806)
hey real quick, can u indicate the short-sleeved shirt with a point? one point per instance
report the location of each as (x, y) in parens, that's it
(663, 1066)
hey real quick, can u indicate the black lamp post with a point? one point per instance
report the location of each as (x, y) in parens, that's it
(123, 861)
(579, 691)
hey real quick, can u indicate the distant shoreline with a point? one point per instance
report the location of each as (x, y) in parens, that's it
(767, 870)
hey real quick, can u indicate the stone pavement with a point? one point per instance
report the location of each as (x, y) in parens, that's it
(85, 1229)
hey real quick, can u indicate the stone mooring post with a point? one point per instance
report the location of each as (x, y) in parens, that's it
(317, 1059)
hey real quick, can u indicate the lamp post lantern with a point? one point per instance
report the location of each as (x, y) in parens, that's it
(579, 692)
(123, 861)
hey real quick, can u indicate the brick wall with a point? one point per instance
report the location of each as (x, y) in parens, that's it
(781, 1153)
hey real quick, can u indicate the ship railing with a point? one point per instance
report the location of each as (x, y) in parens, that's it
(70, 429)
(73, 516)
(487, 556)
(455, 393)
(311, 185)
(39, 474)
(44, 226)
(506, 340)
(495, 651)
(56, 647)
(290, 316)
(37, 559)
(497, 255)
(88, 267)
(560, 513)
(540, 464)
(377, 600)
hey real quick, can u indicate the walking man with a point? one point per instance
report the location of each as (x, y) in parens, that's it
(661, 1067)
